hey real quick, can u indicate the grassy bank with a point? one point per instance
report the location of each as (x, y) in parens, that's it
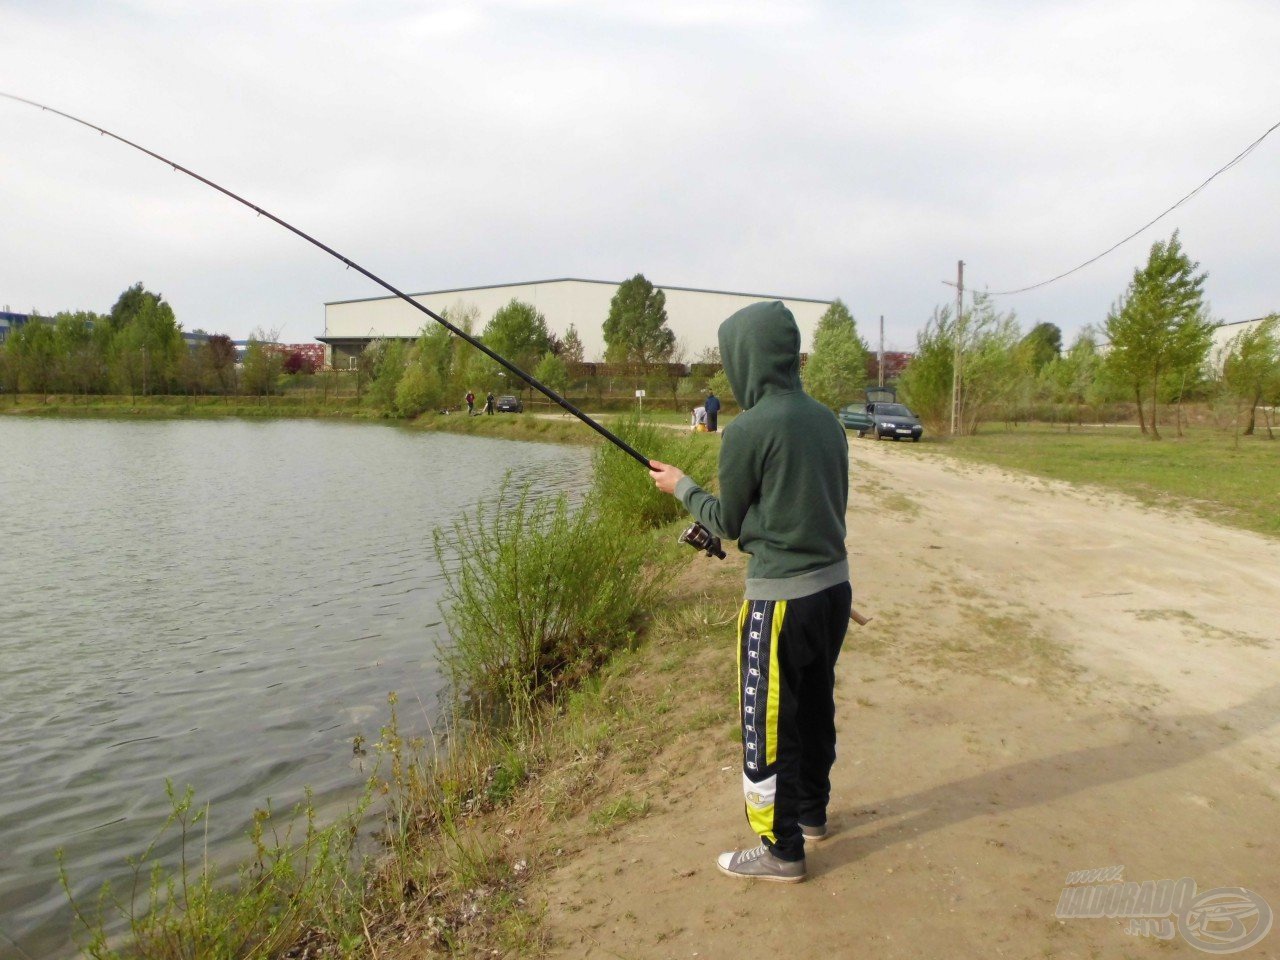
(1208, 470)
(553, 614)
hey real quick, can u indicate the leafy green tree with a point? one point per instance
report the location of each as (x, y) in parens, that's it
(33, 354)
(992, 364)
(1159, 325)
(720, 386)
(925, 384)
(572, 350)
(636, 329)
(1075, 373)
(1251, 366)
(837, 367)
(81, 355)
(129, 304)
(147, 346)
(552, 372)
(1044, 344)
(263, 363)
(518, 332)
(388, 359)
(418, 391)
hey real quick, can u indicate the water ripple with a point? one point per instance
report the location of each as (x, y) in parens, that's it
(221, 604)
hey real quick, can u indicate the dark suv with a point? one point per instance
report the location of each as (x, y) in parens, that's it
(509, 404)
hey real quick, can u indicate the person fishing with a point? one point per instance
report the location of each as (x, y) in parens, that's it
(784, 485)
(488, 403)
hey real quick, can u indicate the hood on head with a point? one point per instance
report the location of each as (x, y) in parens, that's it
(760, 349)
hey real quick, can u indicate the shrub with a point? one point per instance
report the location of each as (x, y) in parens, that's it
(538, 596)
(624, 489)
(417, 391)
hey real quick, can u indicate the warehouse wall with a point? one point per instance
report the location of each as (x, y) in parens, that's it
(693, 315)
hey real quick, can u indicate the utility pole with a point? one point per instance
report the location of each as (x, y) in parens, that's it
(958, 336)
(880, 362)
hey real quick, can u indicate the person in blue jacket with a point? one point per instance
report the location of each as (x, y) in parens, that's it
(713, 411)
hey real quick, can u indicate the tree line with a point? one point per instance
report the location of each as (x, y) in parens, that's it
(137, 349)
(1153, 349)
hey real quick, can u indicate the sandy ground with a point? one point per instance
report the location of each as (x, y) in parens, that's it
(1056, 679)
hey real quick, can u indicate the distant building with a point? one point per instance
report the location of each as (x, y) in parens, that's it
(692, 314)
(11, 321)
(313, 354)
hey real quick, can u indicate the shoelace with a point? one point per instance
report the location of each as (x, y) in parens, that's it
(754, 854)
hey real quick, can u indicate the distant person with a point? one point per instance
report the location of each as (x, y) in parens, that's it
(699, 421)
(488, 404)
(713, 411)
(471, 404)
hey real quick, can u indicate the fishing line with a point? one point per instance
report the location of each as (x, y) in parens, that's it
(540, 387)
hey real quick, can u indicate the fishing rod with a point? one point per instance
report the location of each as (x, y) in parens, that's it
(352, 265)
(696, 536)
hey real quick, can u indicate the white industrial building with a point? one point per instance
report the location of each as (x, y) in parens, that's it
(692, 314)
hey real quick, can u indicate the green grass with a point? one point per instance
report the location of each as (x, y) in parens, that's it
(1207, 471)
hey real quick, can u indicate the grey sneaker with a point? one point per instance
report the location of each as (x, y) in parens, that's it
(813, 834)
(759, 863)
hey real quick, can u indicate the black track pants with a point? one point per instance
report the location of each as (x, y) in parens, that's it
(787, 652)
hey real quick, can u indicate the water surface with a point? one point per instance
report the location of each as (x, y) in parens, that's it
(222, 603)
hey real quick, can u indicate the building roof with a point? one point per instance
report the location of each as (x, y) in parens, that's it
(607, 283)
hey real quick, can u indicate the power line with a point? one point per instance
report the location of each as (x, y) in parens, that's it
(1234, 160)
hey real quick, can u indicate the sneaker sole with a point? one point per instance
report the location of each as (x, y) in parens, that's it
(760, 876)
(809, 839)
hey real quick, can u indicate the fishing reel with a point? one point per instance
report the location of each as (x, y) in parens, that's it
(700, 538)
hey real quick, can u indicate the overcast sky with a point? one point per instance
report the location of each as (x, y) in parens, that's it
(806, 149)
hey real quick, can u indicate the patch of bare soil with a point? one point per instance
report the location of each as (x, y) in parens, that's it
(1055, 680)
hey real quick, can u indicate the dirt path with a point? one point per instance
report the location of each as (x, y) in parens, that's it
(1055, 680)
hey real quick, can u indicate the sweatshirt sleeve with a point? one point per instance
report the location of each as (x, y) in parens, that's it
(739, 487)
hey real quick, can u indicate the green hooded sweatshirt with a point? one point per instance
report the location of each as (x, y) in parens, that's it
(784, 464)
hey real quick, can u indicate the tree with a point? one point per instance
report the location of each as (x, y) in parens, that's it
(1159, 325)
(128, 305)
(33, 356)
(1044, 345)
(993, 371)
(572, 351)
(148, 345)
(1251, 365)
(518, 332)
(720, 386)
(221, 360)
(1076, 371)
(418, 391)
(387, 360)
(552, 372)
(837, 366)
(925, 385)
(263, 362)
(636, 329)
(81, 365)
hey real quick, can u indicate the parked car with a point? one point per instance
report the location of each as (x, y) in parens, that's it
(509, 404)
(893, 420)
(854, 416)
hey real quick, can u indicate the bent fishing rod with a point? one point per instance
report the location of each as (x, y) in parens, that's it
(351, 264)
(696, 536)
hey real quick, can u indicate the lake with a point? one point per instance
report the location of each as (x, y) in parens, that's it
(225, 604)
